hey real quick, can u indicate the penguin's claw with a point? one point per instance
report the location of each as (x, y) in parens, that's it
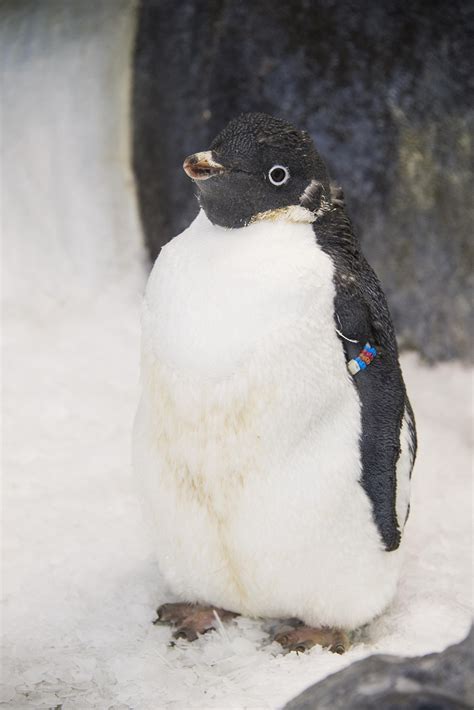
(186, 632)
(191, 620)
(173, 613)
(301, 638)
(300, 647)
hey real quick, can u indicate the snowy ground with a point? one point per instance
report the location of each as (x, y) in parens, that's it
(81, 585)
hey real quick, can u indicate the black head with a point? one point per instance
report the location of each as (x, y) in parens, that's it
(256, 165)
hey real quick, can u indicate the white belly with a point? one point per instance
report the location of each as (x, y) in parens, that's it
(246, 438)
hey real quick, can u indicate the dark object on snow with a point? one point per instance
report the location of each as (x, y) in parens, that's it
(439, 681)
(382, 87)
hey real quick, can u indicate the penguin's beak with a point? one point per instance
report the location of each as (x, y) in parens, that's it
(202, 166)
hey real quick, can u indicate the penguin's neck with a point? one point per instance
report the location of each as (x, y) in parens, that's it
(216, 294)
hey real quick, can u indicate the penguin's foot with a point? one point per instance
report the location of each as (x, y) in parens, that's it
(293, 635)
(191, 620)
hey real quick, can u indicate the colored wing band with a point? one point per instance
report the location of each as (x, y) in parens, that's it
(363, 359)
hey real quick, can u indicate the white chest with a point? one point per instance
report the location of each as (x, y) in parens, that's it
(240, 355)
(215, 294)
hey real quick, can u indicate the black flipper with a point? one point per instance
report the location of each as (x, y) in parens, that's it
(362, 314)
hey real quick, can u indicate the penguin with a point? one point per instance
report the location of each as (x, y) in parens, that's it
(274, 439)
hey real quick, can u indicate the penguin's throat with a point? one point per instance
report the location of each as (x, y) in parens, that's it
(291, 213)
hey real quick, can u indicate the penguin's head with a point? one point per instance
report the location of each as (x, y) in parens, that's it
(259, 167)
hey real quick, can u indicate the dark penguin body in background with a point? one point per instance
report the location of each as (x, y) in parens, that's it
(251, 316)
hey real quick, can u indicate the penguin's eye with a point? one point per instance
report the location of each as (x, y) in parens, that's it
(278, 175)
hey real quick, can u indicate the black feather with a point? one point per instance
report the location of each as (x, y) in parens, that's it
(362, 314)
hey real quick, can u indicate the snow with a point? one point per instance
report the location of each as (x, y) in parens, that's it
(80, 583)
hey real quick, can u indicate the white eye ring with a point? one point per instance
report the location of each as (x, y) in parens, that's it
(278, 175)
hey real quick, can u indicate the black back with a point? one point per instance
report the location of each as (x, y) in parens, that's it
(362, 314)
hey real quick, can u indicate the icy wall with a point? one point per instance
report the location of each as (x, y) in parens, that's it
(72, 535)
(69, 211)
(383, 87)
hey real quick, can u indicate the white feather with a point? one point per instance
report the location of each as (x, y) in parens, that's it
(247, 435)
(404, 467)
